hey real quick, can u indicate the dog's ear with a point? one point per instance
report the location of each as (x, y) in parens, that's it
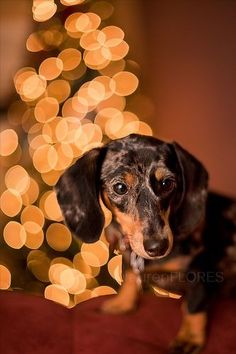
(78, 196)
(192, 199)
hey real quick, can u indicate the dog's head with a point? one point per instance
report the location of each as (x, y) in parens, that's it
(154, 190)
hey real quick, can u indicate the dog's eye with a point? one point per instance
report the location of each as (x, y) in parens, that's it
(120, 188)
(167, 184)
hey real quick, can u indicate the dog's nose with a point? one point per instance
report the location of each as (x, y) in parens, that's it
(156, 248)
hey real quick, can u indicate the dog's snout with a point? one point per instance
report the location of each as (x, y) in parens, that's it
(156, 248)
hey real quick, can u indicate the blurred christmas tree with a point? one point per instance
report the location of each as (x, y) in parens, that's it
(76, 96)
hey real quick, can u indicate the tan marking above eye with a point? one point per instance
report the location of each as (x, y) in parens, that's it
(130, 179)
(161, 173)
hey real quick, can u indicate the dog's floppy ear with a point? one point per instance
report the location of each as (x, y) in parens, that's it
(192, 200)
(78, 196)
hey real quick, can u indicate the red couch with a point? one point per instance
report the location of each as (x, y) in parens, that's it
(33, 325)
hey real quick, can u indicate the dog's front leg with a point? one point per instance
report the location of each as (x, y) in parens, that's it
(191, 337)
(126, 299)
(192, 334)
(128, 295)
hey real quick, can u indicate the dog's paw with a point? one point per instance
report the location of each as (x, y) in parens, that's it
(118, 305)
(184, 347)
(191, 336)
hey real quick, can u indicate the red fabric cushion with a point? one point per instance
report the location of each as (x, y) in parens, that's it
(34, 325)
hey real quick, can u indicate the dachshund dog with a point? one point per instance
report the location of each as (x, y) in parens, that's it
(171, 231)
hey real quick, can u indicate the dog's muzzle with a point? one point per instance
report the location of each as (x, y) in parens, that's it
(156, 248)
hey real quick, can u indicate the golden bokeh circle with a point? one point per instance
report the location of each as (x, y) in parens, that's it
(14, 235)
(51, 68)
(17, 178)
(115, 268)
(33, 87)
(32, 213)
(45, 158)
(51, 207)
(34, 43)
(43, 10)
(57, 293)
(73, 281)
(10, 202)
(46, 109)
(55, 270)
(125, 83)
(95, 254)
(70, 57)
(8, 142)
(59, 89)
(5, 277)
(34, 235)
(58, 237)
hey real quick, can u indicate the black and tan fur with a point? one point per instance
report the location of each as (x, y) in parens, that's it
(162, 214)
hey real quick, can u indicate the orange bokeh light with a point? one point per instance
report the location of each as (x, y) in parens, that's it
(5, 278)
(46, 109)
(14, 235)
(115, 268)
(57, 293)
(51, 68)
(51, 207)
(33, 87)
(32, 213)
(10, 202)
(8, 142)
(17, 178)
(43, 10)
(95, 254)
(34, 43)
(58, 237)
(70, 57)
(125, 83)
(59, 89)
(34, 235)
(45, 158)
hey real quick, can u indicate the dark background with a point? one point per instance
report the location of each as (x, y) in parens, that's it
(188, 55)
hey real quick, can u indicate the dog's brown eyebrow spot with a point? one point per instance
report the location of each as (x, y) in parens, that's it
(161, 173)
(129, 178)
